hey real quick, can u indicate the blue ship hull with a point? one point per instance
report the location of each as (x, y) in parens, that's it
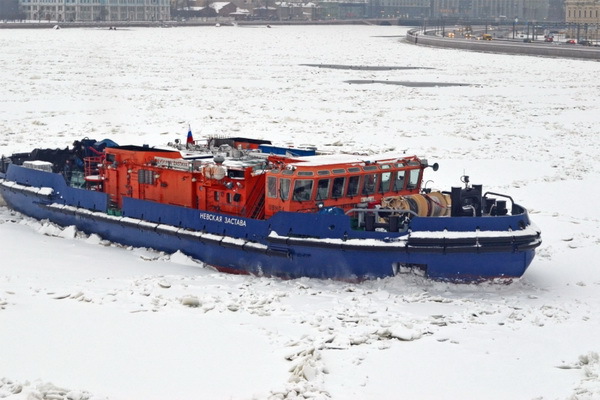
(287, 245)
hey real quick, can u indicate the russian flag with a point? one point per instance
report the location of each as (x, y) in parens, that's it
(190, 137)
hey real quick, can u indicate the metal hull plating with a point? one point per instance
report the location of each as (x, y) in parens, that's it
(287, 245)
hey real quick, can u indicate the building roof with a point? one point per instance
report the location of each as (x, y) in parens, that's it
(218, 5)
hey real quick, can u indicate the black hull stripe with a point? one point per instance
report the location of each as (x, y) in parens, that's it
(524, 243)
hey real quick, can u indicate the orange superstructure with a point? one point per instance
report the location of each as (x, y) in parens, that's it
(256, 185)
(234, 187)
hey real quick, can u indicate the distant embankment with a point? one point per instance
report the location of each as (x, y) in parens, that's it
(170, 24)
(50, 25)
(416, 36)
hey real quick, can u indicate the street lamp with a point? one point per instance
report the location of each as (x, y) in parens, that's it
(514, 25)
(443, 27)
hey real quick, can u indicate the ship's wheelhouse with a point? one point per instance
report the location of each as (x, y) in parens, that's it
(308, 185)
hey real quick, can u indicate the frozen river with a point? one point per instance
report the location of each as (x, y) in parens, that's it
(73, 308)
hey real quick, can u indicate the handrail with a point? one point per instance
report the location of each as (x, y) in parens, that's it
(512, 202)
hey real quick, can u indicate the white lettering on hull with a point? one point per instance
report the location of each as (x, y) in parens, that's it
(223, 219)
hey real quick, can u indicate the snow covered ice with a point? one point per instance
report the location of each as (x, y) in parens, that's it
(82, 318)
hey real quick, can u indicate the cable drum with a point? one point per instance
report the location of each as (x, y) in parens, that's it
(434, 204)
(418, 204)
(439, 204)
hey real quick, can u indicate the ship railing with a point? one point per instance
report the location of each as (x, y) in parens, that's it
(514, 208)
(370, 218)
(92, 165)
(91, 172)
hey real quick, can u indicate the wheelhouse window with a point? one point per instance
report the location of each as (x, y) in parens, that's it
(272, 187)
(370, 184)
(353, 185)
(323, 189)
(399, 181)
(338, 187)
(284, 188)
(303, 189)
(413, 179)
(386, 178)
